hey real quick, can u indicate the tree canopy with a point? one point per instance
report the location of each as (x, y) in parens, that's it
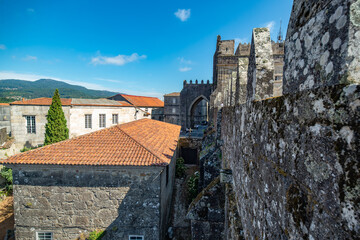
(55, 128)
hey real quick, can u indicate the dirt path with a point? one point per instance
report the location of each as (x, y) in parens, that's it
(6, 216)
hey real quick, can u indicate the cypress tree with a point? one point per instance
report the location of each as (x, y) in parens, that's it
(55, 128)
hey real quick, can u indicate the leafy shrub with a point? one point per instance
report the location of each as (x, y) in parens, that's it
(96, 235)
(6, 173)
(25, 149)
(180, 168)
(192, 185)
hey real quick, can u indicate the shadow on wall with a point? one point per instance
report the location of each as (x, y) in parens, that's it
(121, 201)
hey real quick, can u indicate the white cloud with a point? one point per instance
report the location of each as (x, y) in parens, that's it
(185, 69)
(270, 25)
(183, 14)
(117, 60)
(30, 10)
(34, 77)
(2, 47)
(109, 80)
(29, 58)
(184, 61)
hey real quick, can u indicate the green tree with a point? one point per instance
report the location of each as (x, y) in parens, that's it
(55, 128)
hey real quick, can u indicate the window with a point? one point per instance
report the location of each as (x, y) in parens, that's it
(102, 120)
(88, 122)
(115, 118)
(146, 109)
(136, 237)
(174, 110)
(174, 100)
(30, 124)
(44, 236)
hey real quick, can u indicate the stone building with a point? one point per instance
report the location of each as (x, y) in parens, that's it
(230, 71)
(5, 117)
(172, 108)
(145, 106)
(118, 179)
(194, 99)
(28, 117)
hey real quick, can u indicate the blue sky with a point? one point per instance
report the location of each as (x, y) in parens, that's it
(136, 47)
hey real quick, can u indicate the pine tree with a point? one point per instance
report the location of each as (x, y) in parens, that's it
(55, 128)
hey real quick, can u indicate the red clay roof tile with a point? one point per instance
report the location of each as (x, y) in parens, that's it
(42, 101)
(141, 101)
(144, 142)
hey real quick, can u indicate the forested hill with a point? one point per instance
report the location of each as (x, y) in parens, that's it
(17, 89)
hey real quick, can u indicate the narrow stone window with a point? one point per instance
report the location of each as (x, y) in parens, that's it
(88, 121)
(30, 124)
(102, 120)
(136, 237)
(115, 118)
(44, 236)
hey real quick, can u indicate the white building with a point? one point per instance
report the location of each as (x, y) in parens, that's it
(28, 117)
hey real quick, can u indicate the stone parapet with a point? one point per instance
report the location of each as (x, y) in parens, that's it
(322, 44)
(295, 164)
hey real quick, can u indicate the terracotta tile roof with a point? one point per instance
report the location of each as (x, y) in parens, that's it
(74, 102)
(125, 104)
(99, 102)
(173, 94)
(144, 142)
(4, 104)
(41, 101)
(141, 101)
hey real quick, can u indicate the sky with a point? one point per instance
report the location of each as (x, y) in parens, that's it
(136, 47)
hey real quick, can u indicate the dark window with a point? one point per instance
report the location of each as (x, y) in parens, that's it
(88, 121)
(44, 236)
(30, 124)
(102, 120)
(115, 118)
(136, 237)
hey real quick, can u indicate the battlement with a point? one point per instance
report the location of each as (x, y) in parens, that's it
(225, 47)
(243, 49)
(185, 83)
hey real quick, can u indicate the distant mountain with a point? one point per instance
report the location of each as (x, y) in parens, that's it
(17, 89)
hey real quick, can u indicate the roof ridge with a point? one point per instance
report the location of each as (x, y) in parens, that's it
(140, 143)
(139, 96)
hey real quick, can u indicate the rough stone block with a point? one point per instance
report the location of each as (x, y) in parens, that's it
(322, 44)
(261, 66)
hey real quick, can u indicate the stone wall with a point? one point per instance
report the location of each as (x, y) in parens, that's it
(3, 135)
(5, 117)
(206, 213)
(68, 200)
(295, 163)
(321, 47)
(172, 109)
(18, 124)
